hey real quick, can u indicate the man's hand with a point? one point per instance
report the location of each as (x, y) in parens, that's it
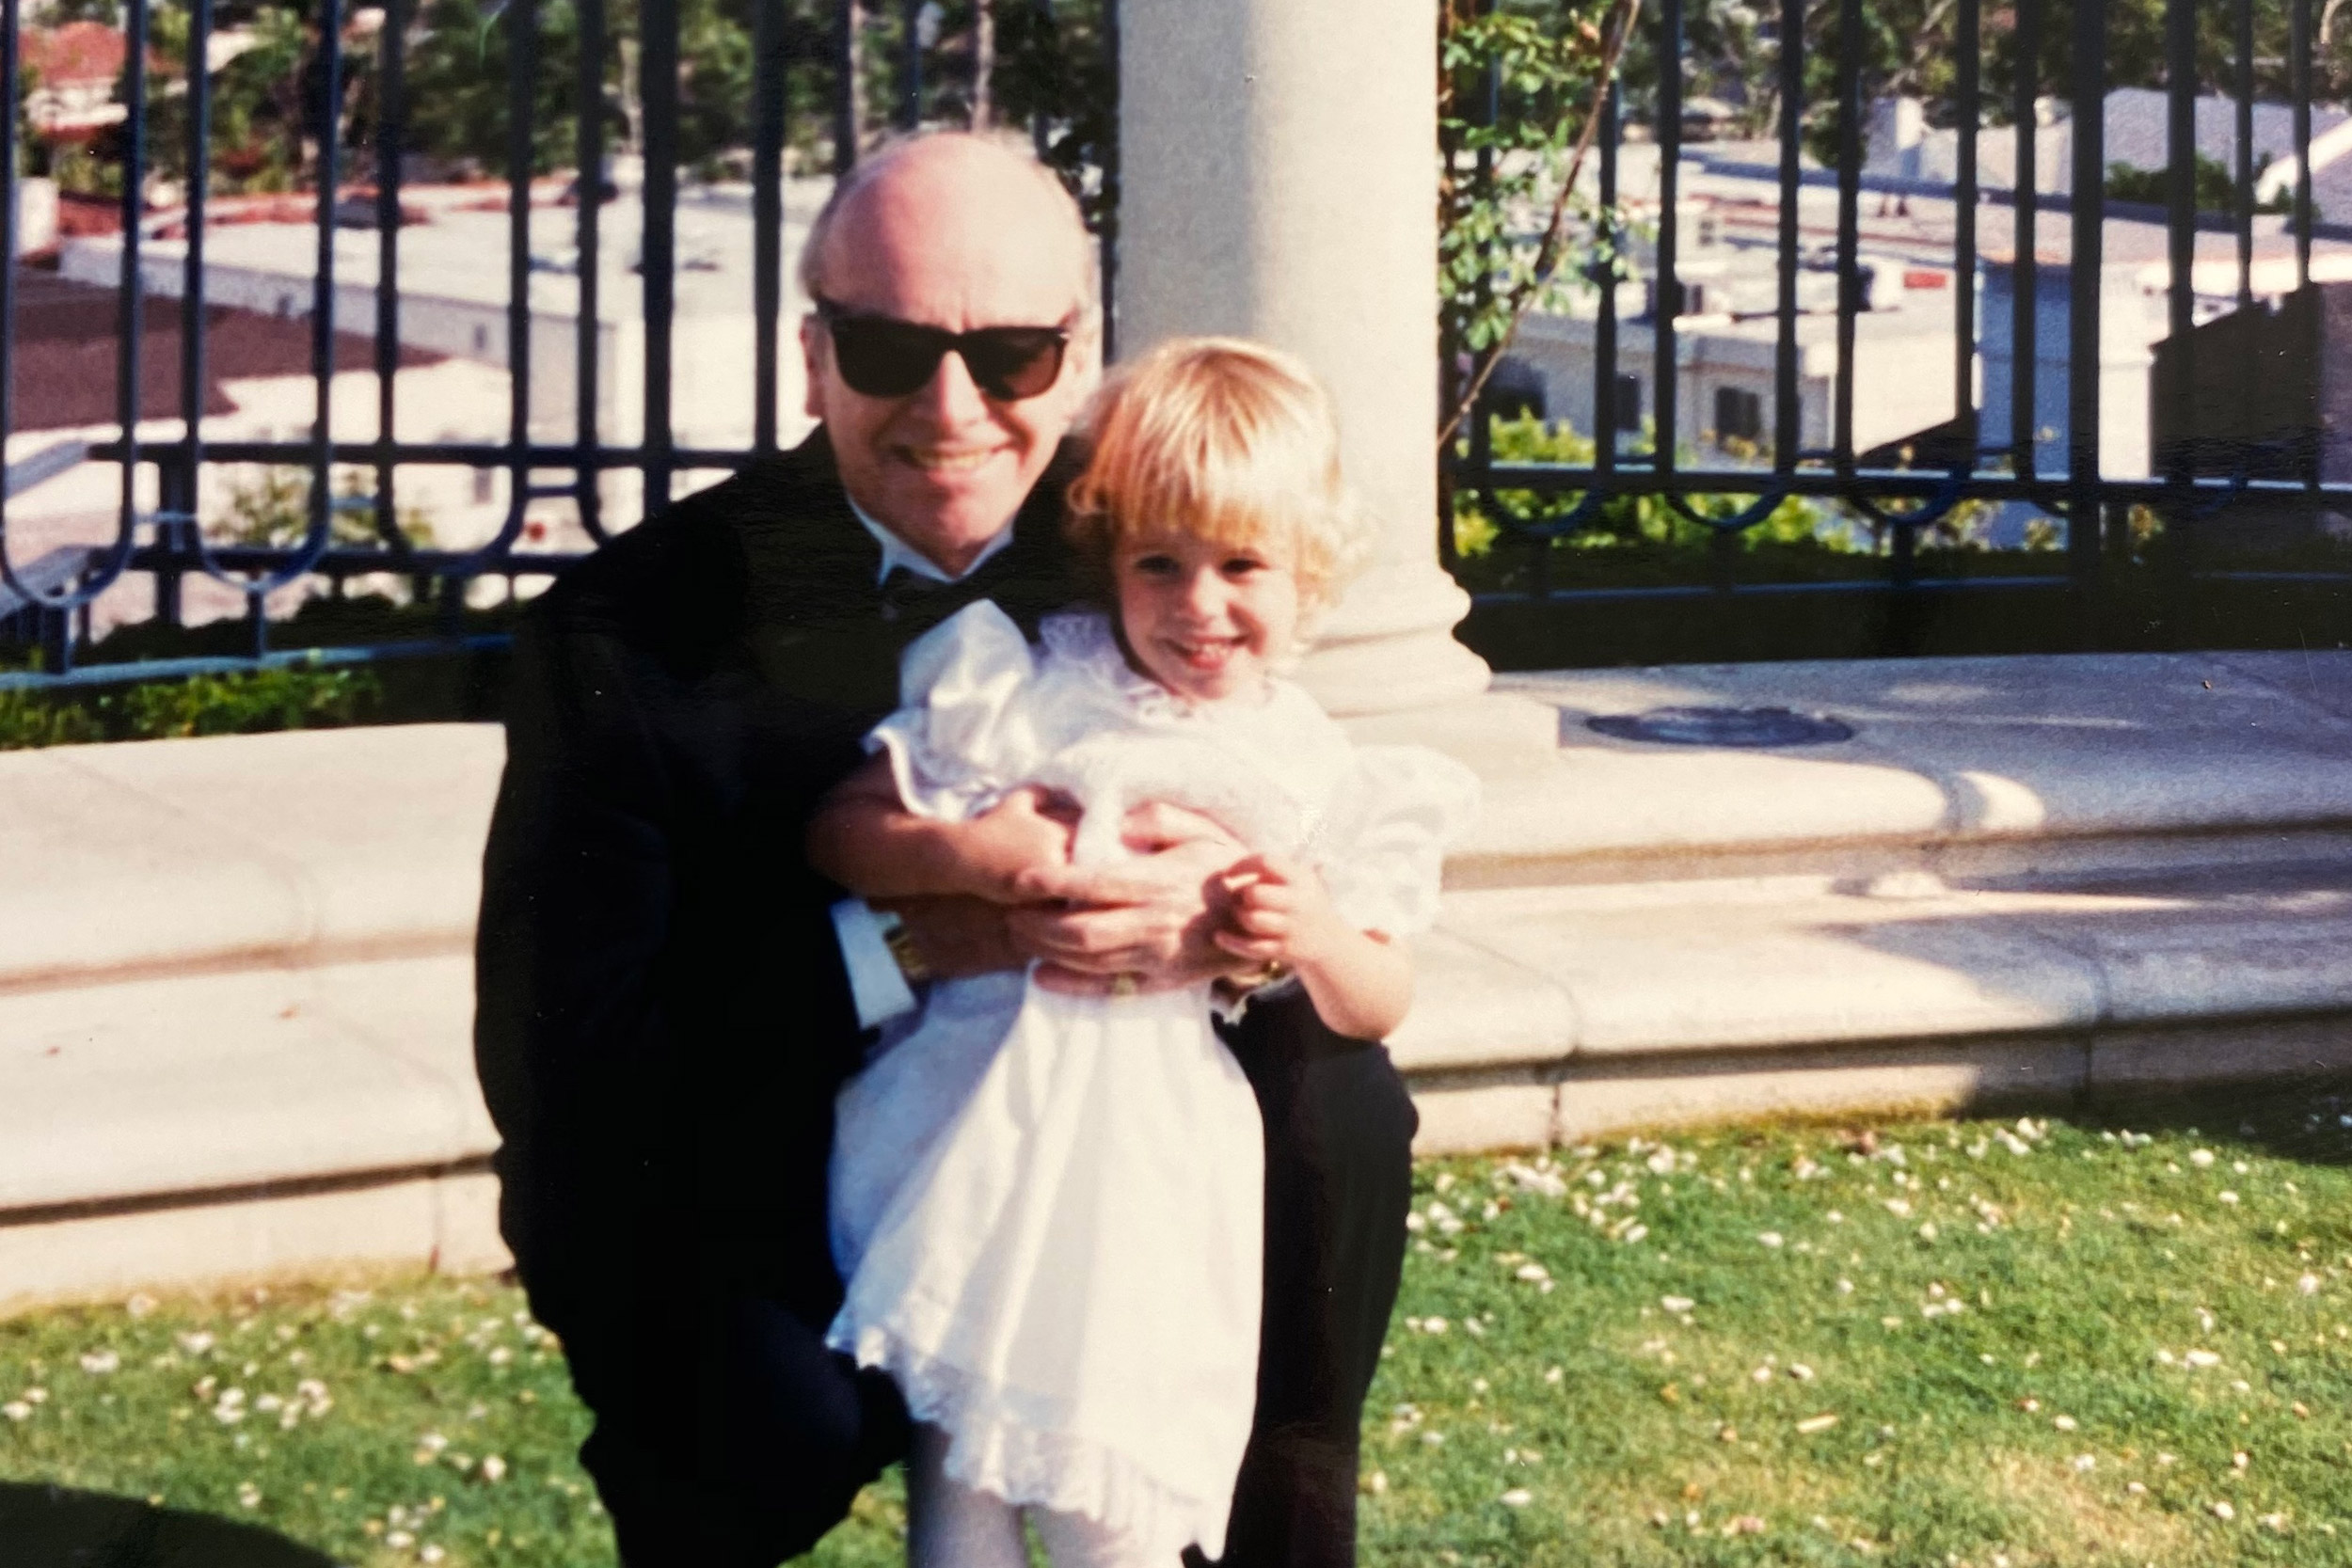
(1028, 830)
(1148, 923)
(863, 838)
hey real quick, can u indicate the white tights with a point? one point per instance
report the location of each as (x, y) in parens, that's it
(951, 1525)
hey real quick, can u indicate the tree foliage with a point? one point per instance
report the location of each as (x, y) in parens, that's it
(1517, 93)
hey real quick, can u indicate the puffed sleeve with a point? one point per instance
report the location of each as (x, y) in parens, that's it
(962, 735)
(1382, 848)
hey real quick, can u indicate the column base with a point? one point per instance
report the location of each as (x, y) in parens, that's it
(1390, 646)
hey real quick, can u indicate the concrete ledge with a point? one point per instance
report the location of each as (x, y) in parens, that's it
(235, 986)
(1540, 976)
(244, 849)
(186, 1084)
(1471, 1113)
(1932, 1078)
(445, 1221)
(1946, 751)
(2138, 1061)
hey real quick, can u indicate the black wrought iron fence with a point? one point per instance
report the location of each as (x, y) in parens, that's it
(2231, 486)
(825, 76)
(1694, 257)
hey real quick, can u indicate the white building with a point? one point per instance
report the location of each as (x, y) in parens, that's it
(1727, 349)
(454, 304)
(1902, 146)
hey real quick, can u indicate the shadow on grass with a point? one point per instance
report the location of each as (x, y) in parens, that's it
(50, 1526)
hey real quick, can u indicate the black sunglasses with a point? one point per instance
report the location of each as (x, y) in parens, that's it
(882, 358)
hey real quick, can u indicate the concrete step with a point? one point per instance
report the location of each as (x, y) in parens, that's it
(1550, 1014)
(228, 1123)
(1964, 766)
(310, 846)
(236, 999)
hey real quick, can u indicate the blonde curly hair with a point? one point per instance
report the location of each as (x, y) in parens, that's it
(1224, 439)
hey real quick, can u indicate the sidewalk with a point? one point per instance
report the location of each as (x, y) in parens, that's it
(235, 974)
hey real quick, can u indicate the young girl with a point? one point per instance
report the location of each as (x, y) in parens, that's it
(1048, 1206)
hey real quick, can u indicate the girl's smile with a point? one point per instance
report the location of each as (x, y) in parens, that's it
(1205, 620)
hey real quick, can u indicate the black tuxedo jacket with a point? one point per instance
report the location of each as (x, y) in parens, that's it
(663, 1014)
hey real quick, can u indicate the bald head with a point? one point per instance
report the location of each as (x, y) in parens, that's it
(981, 202)
(948, 233)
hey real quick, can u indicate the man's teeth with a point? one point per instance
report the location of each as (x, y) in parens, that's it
(949, 462)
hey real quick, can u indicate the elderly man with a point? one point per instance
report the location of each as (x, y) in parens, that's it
(670, 997)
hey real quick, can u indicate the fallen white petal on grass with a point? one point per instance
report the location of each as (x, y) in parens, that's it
(2202, 1358)
(2224, 1512)
(1771, 1238)
(1817, 1423)
(1676, 1303)
(99, 1363)
(1519, 1497)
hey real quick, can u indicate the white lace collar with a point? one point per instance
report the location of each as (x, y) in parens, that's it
(1083, 640)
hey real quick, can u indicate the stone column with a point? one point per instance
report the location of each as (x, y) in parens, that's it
(1279, 181)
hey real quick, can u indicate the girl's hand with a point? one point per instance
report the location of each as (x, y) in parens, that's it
(1281, 913)
(1360, 983)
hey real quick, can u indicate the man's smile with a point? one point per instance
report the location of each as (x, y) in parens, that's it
(949, 460)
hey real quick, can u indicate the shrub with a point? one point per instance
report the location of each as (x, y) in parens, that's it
(296, 698)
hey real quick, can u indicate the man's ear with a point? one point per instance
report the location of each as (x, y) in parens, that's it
(812, 348)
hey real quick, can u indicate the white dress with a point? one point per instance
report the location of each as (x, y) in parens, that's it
(1048, 1209)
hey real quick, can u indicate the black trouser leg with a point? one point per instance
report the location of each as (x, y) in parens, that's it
(726, 1434)
(1339, 1129)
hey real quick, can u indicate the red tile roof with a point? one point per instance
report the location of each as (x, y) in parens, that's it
(66, 344)
(77, 52)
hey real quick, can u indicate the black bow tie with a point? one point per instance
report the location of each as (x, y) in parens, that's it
(902, 592)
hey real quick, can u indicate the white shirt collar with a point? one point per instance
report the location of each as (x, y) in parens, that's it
(897, 553)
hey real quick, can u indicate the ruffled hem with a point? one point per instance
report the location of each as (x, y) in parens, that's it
(991, 1450)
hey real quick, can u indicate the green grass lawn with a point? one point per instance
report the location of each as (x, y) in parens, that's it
(1991, 1343)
